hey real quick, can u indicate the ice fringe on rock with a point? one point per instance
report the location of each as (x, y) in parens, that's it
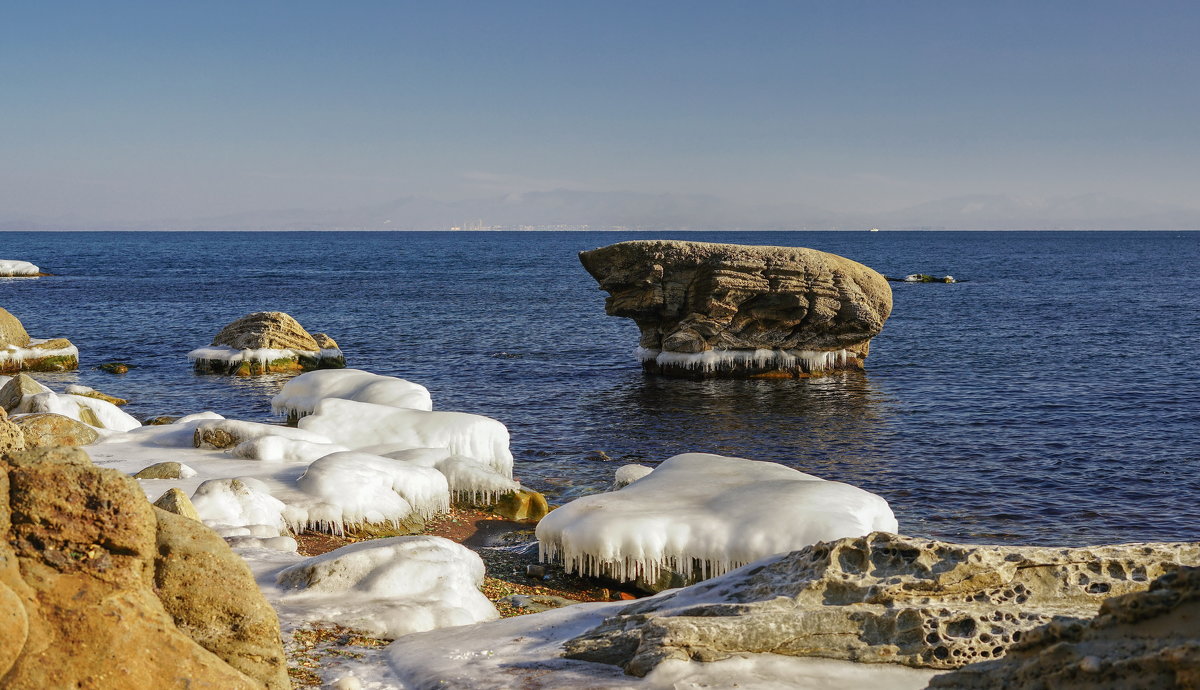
(708, 510)
(300, 396)
(361, 425)
(391, 587)
(228, 356)
(352, 488)
(91, 411)
(10, 268)
(469, 479)
(225, 433)
(717, 360)
(16, 354)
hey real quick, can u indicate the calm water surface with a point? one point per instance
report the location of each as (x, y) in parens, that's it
(1053, 397)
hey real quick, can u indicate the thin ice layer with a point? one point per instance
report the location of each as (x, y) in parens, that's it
(14, 268)
(718, 511)
(359, 425)
(390, 587)
(300, 396)
(351, 488)
(720, 360)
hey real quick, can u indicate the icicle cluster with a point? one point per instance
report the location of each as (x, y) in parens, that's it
(719, 360)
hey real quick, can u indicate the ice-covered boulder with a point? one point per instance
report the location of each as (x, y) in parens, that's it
(628, 474)
(1146, 639)
(264, 342)
(372, 427)
(300, 396)
(390, 587)
(227, 433)
(740, 311)
(245, 503)
(12, 268)
(879, 598)
(98, 589)
(92, 411)
(19, 352)
(352, 488)
(700, 515)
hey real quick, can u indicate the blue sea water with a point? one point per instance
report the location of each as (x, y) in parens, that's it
(1053, 397)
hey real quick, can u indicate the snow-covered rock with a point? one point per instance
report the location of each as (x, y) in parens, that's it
(243, 503)
(360, 425)
(262, 342)
(12, 268)
(351, 488)
(628, 474)
(300, 396)
(390, 587)
(469, 479)
(718, 511)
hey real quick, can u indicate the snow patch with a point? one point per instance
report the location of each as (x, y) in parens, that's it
(300, 396)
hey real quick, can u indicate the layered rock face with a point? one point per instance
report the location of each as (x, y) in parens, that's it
(1143, 641)
(19, 352)
(730, 310)
(92, 578)
(879, 598)
(266, 342)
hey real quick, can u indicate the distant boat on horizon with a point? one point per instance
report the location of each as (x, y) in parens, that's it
(873, 230)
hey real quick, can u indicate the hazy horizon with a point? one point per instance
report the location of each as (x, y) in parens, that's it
(776, 115)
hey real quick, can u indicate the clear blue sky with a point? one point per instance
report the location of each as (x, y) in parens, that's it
(139, 110)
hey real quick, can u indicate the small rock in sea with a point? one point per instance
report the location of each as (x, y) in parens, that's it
(599, 456)
(160, 420)
(115, 367)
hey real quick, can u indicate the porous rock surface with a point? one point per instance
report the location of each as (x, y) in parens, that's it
(787, 311)
(12, 332)
(11, 436)
(84, 560)
(46, 430)
(1141, 641)
(272, 330)
(879, 598)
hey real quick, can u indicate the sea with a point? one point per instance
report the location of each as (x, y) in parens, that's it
(1051, 396)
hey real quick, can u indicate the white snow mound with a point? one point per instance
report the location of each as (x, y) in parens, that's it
(469, 479)
(351, 488)
(300, 396)
(244, 502)
(99, 413)
(360, 425)
(719, 511)
(13, 268)
(391, 587)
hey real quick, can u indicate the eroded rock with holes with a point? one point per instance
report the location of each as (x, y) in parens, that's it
(1146, 640)
(730, 310)
(879, 598)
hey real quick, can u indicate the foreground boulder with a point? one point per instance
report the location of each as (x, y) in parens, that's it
(19, 352)
(879, 598)
(266, 342)
(1147, 640)
(46, 430)
(92, 578)
(727, 310)
(11, 436)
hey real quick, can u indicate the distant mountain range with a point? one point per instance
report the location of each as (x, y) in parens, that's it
(574, 209)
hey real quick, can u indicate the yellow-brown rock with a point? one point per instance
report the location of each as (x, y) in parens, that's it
(11, 436)
(730, 310)
(12, 332)
(176, 501)
(46, 429)
(269, 330)
(522, 506)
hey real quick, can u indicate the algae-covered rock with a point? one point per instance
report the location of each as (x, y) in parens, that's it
(727, 310)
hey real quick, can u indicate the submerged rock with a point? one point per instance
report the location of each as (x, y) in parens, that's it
(879, 598)
(265, 342)
(114, 367)
(92, 577)
(729, 310)
(19, 352)
(1146, 640)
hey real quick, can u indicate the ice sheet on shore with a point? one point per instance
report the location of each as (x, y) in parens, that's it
(718, 511)
(390, 587)
(360, 425)
(300, 396)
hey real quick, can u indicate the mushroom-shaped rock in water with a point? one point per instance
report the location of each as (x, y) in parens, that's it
(19, 352)
(92, 576)
(881, 598)
(699, 515)
(265, 342)
(727, 310)
(12, 268)
(1145, 639)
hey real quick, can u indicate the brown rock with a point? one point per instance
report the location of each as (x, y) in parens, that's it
(713, 309)
(160, 420)
(54, 455)
(879, 598)
(78, 552)
(160, 470)
(11, 437)
(11, 330)
(522, 506)
(102, 396)
(15, 390)
(176, 501)
(45, 429)
(214, 600)
(1146, 640)
(324, 341)
(272, 330)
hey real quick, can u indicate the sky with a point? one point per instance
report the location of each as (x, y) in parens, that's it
(691, 114)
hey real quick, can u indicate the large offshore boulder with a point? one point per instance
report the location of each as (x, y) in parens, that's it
(84, 560)
(741, 311)
(879, 598)
(19, 352)
(1142, 641)
(266, 342)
